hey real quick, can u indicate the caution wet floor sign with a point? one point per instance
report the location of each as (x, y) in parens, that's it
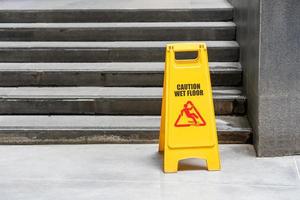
(188, 127)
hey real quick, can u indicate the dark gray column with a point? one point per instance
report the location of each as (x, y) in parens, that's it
(269, 34)
(279, 75)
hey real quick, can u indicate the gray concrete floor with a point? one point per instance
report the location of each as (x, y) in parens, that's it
(134, 172)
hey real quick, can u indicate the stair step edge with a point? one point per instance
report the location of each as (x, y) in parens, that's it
(108, 67)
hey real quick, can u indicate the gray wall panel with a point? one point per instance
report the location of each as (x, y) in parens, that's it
(269, 35)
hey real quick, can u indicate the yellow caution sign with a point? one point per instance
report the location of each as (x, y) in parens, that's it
(188, 126)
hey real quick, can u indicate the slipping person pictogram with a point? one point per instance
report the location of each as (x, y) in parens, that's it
(189, 116)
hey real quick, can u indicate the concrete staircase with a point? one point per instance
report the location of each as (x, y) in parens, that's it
(95, 75)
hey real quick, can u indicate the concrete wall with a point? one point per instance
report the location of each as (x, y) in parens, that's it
(269, 35)
(279, 75)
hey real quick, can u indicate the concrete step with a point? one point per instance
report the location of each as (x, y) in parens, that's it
(113, 4)
(136, 74)
(115, 15)
(36, 129)
(162, 31)
(147, 51)
(104, 100)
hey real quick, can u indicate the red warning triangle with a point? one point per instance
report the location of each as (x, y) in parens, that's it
(189, 116)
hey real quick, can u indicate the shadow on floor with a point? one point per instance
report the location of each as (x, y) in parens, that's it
(183, 165)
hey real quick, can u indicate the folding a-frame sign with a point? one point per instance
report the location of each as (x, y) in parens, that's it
(188, 126)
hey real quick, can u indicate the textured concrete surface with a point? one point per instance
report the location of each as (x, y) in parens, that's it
(110, 67)
(105, 74)
(211, 18)
(117, 15)
(146, 51)
(19, 122)
(268, 33)
(127, 44)
(60, 129)
(105, 92)
(247, 18)
(134, 172)
(279, 78)
(119, 25)
(112, 4)
(163, 31)
(114, 10)
(104, 100)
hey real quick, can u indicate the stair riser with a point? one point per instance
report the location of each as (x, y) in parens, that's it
(102, 137)
(134, 54)
(118, 34)
(118, 106)
(96, 78)
(131, 15)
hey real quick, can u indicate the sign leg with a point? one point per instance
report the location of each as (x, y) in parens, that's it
(213, 160)
(162, 123)
(170, 162)
(161, 141)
